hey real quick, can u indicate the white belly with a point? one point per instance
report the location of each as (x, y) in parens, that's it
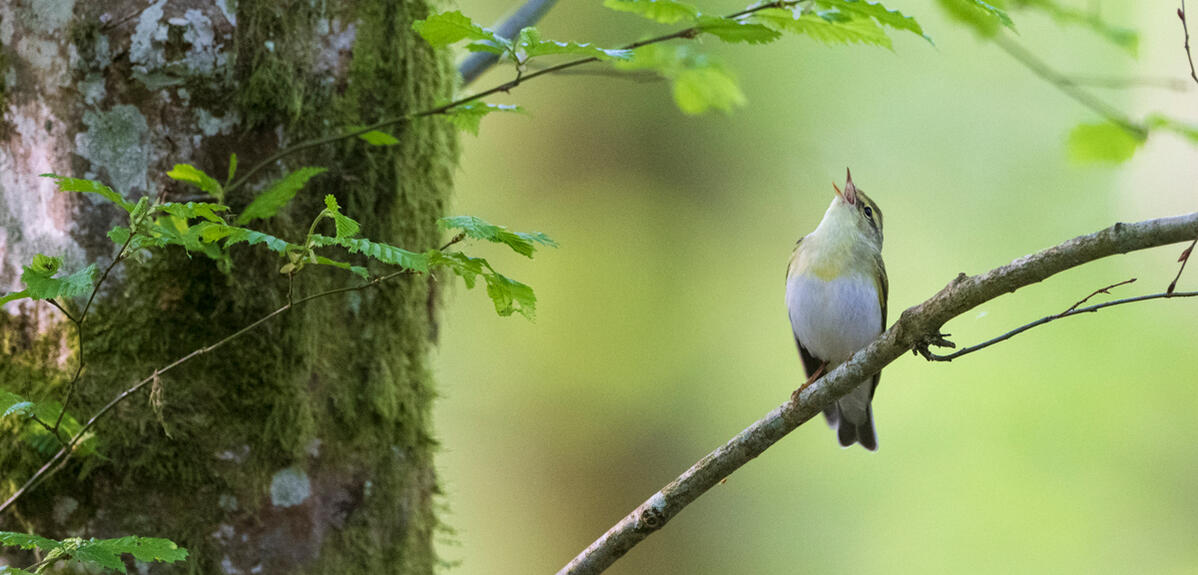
(833, 319)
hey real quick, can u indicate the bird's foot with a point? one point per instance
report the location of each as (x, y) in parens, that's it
(932, 339)
(794, 397)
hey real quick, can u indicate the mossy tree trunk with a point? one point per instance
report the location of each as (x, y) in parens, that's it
(305, 447)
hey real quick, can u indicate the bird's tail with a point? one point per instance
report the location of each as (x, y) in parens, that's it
(852, 417)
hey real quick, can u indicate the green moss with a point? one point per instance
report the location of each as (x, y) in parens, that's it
(348, 373)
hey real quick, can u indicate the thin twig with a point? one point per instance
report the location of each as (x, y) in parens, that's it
(63, 455)
(120, 255)
(1106, 290)
(915, 324)
(1123, 82)
(1181, 13)
(1064, 84)
(1185, 258)
(527, 14)
(505, 87)
(928, 355)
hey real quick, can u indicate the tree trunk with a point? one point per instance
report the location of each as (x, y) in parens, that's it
(306, 446)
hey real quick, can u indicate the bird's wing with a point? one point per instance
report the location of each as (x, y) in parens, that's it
(810, 362)
(883, 284)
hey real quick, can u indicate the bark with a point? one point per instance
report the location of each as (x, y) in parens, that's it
(309, 447)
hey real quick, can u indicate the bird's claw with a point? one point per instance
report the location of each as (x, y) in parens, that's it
(932, 339)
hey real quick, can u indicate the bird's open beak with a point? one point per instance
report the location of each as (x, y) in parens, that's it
(850, 190)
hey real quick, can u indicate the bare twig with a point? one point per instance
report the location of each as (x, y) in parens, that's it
(1184, 259)
(1181, 13)
(915, 325)
(1070, 312)
(1122, 82)
(1066, 85)
(1106, 290)
(505, 87)
(527, 14)
(61, 457)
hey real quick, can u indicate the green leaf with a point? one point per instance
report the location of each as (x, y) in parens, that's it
(522, 243)
(232, 168)
(40, 282)
(27, 541)
(884, 16)
(359, 270)
(192, 175)
(738, 30)
(346, 226)
(268, 203)
(468, 116)
(983, 17)
(663, 11)
(11, 403)
(1106, 142)
(10, 570)
(192, 210)
(13, 296)
(145, 549)
(445, 28)
(530, 45)
(232, 235)
(385, 253)
(1188, 131)
(510, 296)
(698, 90)
(377, 138)
(700, 83)
(854, 31)
(90, 187)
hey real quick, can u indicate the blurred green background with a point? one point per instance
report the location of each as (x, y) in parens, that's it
(662, 330)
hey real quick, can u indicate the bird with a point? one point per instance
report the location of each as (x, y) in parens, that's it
(836, 289)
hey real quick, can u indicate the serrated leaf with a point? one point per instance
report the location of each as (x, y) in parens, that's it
(520, 242)
(98, 555)
(268, 203)
(510, 296)
(90, 187)
(145, 549)
(193, 175)
(468, 116)
(232, 235)
(983, 17)
(854, 31)
(737, 30)
(27, 541)
(40, 282)
(11, 403)
(529, 44)
(192, 210)
(1102, 143)
(883, 15)
(385, 253)
(663, 11)
(377, 138)
(346, 227)
(445, 28)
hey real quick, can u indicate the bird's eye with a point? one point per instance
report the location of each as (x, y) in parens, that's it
(869, 212)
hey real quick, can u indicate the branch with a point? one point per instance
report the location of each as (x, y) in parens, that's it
(687, 33)
(527, 15)
(61, 457)
(1068, 86)
(914, 326)
(922, 350)
(1181, 13)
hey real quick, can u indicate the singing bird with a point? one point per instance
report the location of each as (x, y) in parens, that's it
(836, 297)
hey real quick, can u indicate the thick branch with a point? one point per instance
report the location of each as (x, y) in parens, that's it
(915, 325)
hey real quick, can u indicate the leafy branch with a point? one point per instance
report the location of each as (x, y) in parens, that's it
(917, 326)
(104, 553)
(835, 21)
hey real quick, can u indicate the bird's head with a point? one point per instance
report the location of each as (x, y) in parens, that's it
(852, 209)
